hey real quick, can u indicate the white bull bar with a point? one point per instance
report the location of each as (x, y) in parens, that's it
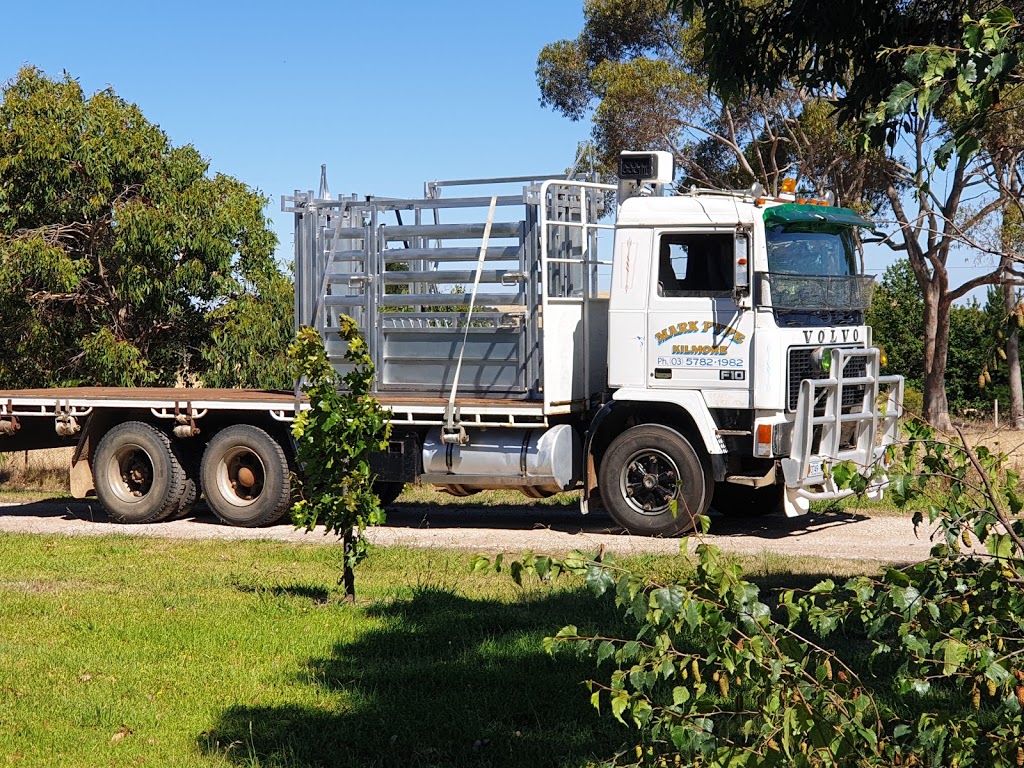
(806, 471)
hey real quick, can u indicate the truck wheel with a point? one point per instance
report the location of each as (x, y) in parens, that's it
(643, 471)
(189, 497)
(743, 501)
(245, 477)
(139, 478)
(387, 492)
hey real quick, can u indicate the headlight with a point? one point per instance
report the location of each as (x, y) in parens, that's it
(822, 357)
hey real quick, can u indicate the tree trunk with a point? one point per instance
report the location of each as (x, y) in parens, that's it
(936, 349)
(1013, 359)
(348, 577)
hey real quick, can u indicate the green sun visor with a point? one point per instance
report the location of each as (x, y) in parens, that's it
(797, 213)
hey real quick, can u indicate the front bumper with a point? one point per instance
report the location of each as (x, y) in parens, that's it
(820, 424)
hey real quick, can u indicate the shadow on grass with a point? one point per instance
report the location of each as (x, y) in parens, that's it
(444, 681)
(317, 595)
(778, 526)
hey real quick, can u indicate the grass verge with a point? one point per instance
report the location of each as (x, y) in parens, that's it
(127, 652)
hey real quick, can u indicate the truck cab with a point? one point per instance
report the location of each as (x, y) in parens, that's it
(739, 361)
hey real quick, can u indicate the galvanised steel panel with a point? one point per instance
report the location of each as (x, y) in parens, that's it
(403, 268)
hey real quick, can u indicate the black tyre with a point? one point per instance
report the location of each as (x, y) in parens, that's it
(643, 471)
(138, 476)
(743, 501)
(189, 457)
(245, 477)
(387, 492)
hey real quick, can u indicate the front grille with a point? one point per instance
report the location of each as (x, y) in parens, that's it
(801, 367)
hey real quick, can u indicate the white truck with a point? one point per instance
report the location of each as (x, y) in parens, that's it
(720, 354)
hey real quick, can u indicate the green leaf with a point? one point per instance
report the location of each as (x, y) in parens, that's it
(999, 545)
(620, 702)
(899, 98)
(997, 673)
(823, 587)
(953, 655)
(999, 16)
(599, 579)
(670, 600)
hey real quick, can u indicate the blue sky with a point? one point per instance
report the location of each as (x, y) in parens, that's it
(389, 94)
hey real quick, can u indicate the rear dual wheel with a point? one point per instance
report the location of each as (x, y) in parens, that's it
(245, 477)
(142, 477)
(138, 474)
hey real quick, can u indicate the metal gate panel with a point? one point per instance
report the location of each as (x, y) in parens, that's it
(402, 268)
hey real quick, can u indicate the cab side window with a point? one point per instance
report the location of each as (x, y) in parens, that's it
(695, 265)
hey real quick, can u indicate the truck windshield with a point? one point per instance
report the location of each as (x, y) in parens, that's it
(812, 275)
(800, 251)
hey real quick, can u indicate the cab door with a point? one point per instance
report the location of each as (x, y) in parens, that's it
(699, 338)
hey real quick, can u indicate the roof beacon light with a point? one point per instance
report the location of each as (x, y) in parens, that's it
(788, 186)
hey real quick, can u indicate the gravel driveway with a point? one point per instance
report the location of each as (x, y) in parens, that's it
(840, 536)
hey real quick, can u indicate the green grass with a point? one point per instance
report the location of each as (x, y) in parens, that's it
(126, 652)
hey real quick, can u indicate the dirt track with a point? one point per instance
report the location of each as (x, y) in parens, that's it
(840, 536)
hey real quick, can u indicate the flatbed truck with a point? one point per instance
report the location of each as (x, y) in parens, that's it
(718, 353)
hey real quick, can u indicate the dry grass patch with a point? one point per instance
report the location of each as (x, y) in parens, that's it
(429, 496)
(43, 471)
(1005, 439)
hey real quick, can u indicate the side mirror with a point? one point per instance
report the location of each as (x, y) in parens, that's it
(741, 264)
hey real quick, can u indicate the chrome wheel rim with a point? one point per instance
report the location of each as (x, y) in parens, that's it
(649, 481)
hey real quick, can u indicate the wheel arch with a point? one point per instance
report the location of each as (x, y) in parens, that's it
(694, 423)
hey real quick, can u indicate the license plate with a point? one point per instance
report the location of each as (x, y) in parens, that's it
(816, 469)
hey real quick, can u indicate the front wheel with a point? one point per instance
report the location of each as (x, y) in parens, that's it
(245, 477)
(653, 483)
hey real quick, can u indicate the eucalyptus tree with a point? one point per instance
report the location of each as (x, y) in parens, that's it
(639, 73)
(115, 244)
(920, 78)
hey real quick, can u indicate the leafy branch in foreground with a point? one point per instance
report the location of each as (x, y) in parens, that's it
(711, 677)
(953, 625)
(334, 439)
